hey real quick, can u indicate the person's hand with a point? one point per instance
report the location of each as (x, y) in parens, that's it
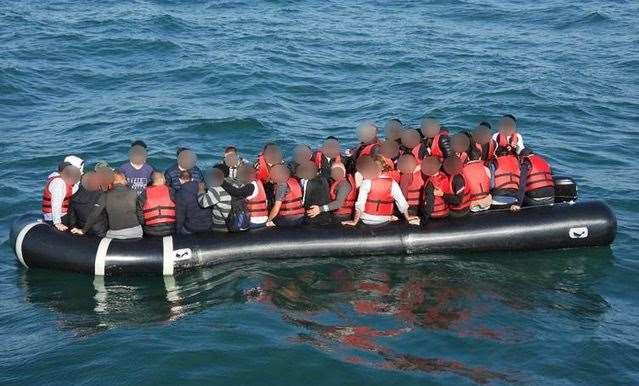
(438, 192)
(350, 223)
(413, 220)
(61, 227)
(515, 208)
(77, 231)
(270, 224)
(313, 211)
(394, 218)
(201, 188)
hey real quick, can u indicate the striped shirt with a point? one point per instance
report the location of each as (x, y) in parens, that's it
(219, 201)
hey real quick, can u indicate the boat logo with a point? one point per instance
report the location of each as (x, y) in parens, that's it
(182, 254)
(578, 233)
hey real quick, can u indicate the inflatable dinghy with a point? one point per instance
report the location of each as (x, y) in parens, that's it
(563, 225)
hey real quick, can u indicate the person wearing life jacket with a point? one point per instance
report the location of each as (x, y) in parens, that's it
(457, 197)
(378, 196)
(329, 153)
(536, 184)
(249, 188)
(507, 135)
(484, 143)
(477, 182)
(57, 193)
(411, 182)
(393, 130)
(412, 143)
(369, 142)
(390, 153)
(436, 139)
(463, 146)
(505, 172)
(342, 195)
(288, 206)
(269, 157)
(158, 207)
(436, 185)
(301, 154)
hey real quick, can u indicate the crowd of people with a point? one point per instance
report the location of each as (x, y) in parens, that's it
(415, 174)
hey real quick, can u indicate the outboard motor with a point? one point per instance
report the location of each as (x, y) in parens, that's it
(565, 189)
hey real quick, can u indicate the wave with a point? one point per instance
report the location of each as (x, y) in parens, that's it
(590, 20)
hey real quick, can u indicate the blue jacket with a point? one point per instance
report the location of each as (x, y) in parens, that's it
(190, 216)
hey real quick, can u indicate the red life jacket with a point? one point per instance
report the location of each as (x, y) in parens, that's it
(292, 204)
(465, 201)
(380, 200)
(463, 156)
(508, 143)
(319, 157)
(349, 202)
(442, 182)
(257, 206)
(539, 174)
(46, 197)
(263, 171)
(412, 186)
(490, 154)
(435, 150)
(158, 207)
(416, 152)
(366, 149)
(476, 180)
(507, 172)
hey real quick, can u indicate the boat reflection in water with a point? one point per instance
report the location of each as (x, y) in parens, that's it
(412, 314)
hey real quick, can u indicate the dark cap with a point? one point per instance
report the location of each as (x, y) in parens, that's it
(138, 143)
(180, 150)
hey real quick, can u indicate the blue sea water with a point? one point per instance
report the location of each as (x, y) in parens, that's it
(87, 77)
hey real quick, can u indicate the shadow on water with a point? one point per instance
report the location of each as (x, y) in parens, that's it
(367, 312)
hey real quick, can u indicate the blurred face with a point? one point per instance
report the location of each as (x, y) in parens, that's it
(390, 149)
(217, 177)
(273, 155)
(430, 127)
(331, 148)
(507, 126)
(410, 138)
(158, 179)
(231, 158)
(460, 143)
(137, 155)
(393, 130)
(306, 170)
(246, 173)
(367, 132)
(452, 165)
(279, 174)
(430, 166)
(337, 173)
(119, 179)
(105, 176)
(71, 175)
(302, 154)
(187, 159)
(407, 164)
(482, 135)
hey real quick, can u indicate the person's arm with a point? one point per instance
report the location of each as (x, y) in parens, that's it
(458, 191)
(206, 199)
(241, 192)
(281, 191)
(429, 199)
(444, 144)
(343, 189)
(520, 143)
(58, 190)
(139, 205)
(523, 180)
(95, 213)
(491, 168)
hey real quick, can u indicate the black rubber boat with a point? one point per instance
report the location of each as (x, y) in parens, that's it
(563, 225)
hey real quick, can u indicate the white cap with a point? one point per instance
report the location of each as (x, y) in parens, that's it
(75, 161)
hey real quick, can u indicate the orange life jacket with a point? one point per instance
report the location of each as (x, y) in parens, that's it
(476, 180)
(349, 202)
(263, 171)
(366, 149)
(319, 156)
(435, 150)
(380, 200)
(46, 197)
(412, 187)
(539, 174)
(508, 143)
(442, 182)
(490, 154)
(415, 151)
(257, 206)
(292, 204)
(158, 207)
(507, 172)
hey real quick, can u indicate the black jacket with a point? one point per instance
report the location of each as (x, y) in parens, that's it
(190, 216)
(120, 206)
(316, 193)
(80, 207)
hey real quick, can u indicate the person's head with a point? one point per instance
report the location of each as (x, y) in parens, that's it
(430, 166)
(306, 170)
(186, 176)
(381, 164)
(367, 167)
(390, 149)
(119, 178)
(105, 175)
(452, 165)
(137, 152)
(75, 161)
(393, 129)
(272, 154)
(410, 138)
(407, 163)
(157, 178)
(460, 142)
(507, 124)
(90, 182)
(280, 174)
(246, 173)
(231, 156)
(430, 127)
(482, 133)
(186, 158)
(367, 132)
(216, 176)
(338, 171)
(102, 166)
(331, 147)
(302, 153)
(70, 174)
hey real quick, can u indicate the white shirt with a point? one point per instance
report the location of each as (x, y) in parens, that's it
(372, 219)
(520, 141)
(256, 219)
(58, 190)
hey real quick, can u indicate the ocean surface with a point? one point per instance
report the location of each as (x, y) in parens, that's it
(87, 77)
